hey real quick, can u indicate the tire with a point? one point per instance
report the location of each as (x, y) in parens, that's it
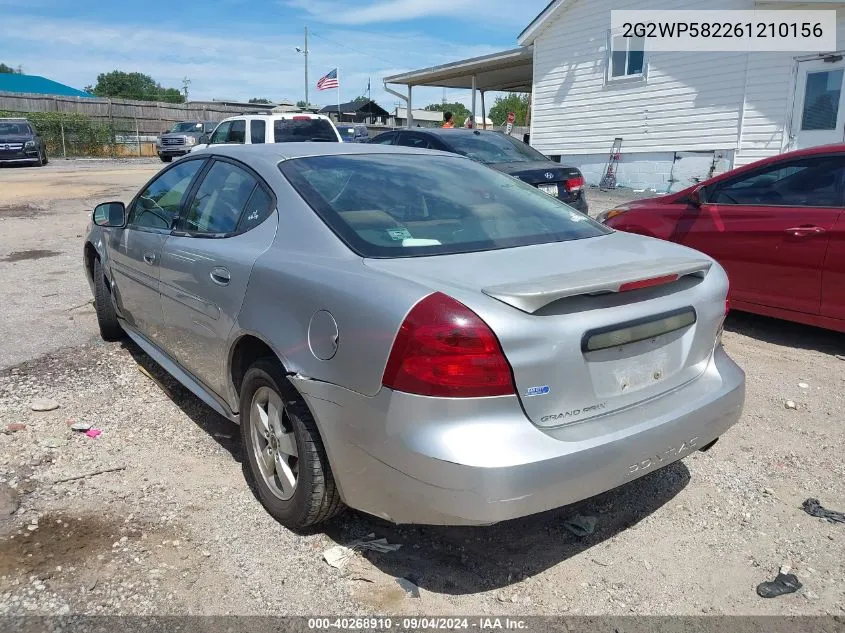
(42, 160)
(110, 328)
(314, 497)
(44, 157)
(165, 158)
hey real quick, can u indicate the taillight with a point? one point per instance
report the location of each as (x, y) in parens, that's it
(728, 299)
(574, 184)
(302, 118)
(444, 349)
(647, 283)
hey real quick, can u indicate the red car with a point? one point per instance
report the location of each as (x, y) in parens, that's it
(777, 226)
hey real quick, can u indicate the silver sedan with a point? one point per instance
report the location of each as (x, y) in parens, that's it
(413, 334)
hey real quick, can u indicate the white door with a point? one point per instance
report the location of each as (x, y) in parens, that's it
(819, 116)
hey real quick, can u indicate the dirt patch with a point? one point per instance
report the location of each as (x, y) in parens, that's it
(20, 211)
(60, 540)
(36, 253)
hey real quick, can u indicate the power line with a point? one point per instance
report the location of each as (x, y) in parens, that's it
(323, 37)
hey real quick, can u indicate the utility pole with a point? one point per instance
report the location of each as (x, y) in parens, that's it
(304, 52)
(185, 83)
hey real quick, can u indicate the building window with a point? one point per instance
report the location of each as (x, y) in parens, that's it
(626, 57)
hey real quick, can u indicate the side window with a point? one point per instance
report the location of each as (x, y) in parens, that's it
(625, 57)
(384, 139)
(258, 208)
(237, 133)
(158, 205)
(219, 201)
(409, 139)
(221, 133)
(810, 182)
(257, 131)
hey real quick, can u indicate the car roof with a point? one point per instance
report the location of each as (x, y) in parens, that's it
(439, 131)
(278, 116)
(284, 151)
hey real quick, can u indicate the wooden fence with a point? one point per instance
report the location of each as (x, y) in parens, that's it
(147, 117)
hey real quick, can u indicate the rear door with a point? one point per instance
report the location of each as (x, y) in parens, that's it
(136, 254)
(206, 264)
(770, 229)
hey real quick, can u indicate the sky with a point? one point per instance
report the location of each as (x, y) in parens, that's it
(239, 49)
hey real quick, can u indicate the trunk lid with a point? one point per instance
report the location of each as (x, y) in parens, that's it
(537, 172)
(579, 342)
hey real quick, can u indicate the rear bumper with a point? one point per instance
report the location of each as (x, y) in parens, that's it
(411, 459)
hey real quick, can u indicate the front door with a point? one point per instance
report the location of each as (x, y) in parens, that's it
(136, 253)
(206, 266)
(819, 115)
(770, 228)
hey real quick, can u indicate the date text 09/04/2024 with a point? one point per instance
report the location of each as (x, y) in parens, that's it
(417, 624)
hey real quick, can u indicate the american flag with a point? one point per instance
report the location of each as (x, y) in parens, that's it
(329, 80)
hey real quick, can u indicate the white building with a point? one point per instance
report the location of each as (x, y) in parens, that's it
(681, 116)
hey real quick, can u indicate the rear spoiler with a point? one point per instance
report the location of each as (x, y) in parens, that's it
(530, 296)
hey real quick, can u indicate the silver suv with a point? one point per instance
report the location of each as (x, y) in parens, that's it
(183, 136)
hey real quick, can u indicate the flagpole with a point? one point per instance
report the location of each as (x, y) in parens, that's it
(338, 93)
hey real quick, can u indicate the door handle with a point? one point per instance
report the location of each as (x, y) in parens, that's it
(220, 276)
(150, 258)
(806, 231)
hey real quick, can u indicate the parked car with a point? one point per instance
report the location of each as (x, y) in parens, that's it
(179, 139)
(499, 151)
(353, 132)
(777, 226)
(413, 334)
(21, 143)
(286, 127)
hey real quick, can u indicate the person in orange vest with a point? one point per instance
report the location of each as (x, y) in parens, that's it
(447, 120)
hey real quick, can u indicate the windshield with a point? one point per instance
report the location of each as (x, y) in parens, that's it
(493, 148)
(399, 205)
(14, 128)
(295, 130)
(186, 126)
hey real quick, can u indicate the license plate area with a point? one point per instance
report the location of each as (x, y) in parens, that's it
(549, 189)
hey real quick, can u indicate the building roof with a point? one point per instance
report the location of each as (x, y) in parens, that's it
(356, 107)
(33, 84)
(506, 71)
(530, 32)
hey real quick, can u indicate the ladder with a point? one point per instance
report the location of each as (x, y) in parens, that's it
(608, 181)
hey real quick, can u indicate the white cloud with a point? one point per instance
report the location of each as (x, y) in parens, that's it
(227, 66)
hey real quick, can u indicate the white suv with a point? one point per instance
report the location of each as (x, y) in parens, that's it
(285, 127)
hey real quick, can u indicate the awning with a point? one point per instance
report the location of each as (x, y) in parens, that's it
(507, 71)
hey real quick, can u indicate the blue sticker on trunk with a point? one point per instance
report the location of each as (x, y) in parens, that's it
(537, 391)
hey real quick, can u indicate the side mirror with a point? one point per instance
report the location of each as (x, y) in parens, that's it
(204, 139)
(111, 214)
(698, 196)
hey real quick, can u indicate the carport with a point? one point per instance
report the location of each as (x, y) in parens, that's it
(507, 71)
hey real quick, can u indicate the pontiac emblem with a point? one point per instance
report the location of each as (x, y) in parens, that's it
(548, 175)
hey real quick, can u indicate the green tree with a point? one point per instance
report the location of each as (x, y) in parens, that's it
(361, 99)
(9, 70)
(259, 100)
(514, 102)
(459, 111)
(137, 86)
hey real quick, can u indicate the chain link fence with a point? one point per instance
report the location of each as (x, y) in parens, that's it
(70, 134)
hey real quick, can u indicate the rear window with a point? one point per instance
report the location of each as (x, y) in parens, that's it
(295, 130)
(493, 148)
(395, 205)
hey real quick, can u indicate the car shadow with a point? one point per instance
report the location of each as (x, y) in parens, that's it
(786, 333)
(223, 431)
(459, 560)
(467, 560)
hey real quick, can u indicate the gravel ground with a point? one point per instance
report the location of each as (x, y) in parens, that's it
(172, 528)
